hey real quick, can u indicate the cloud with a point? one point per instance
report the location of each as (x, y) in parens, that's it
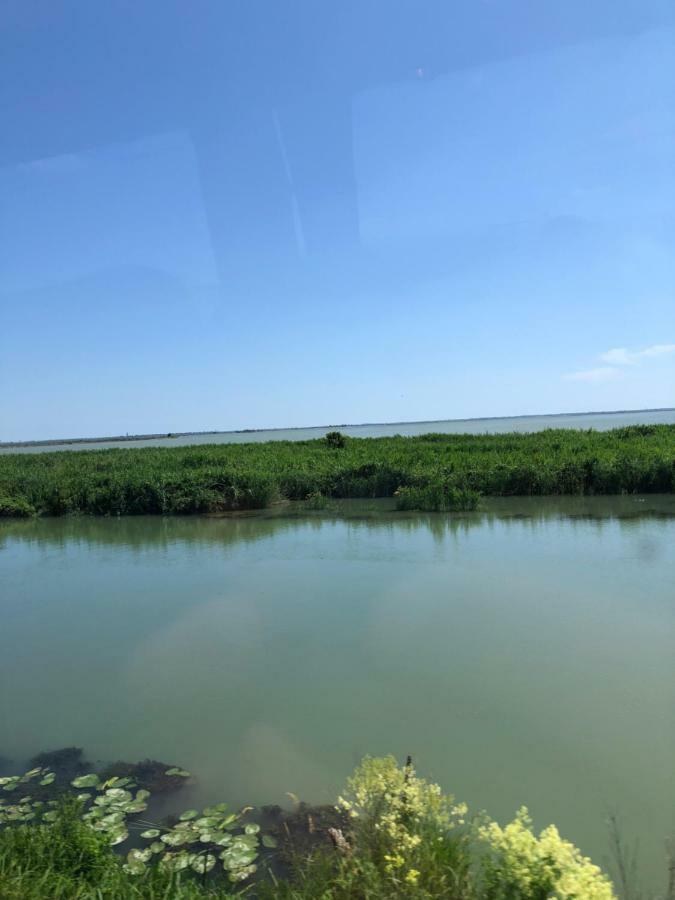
(603, 373)
(619, 356)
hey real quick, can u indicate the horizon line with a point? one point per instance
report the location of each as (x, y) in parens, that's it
(164, 434)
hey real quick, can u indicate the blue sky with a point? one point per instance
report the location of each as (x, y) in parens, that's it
(232, 215)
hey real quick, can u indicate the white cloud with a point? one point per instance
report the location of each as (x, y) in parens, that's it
(616, 358)
(603, 373)
(620, 356)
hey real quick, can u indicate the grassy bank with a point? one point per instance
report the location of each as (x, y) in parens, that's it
(393, 835)
(434, 471)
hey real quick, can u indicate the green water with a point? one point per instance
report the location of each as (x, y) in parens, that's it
(521, 655)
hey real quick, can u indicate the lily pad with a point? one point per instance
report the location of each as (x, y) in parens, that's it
(135, 806)
(175, 862)
(151, 833)
(230, 821)
(216, 810)
(48, 779)
(252, 828)
(269, 841)
(189, 814)
(117, 781)
(224, 840)
(181, 773)
(118, 835)
(85, 781)
(175, 838)
(119, 795)
(203, 862)
(242, 874)
(134, 865)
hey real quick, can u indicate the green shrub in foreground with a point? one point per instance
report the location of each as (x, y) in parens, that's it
(409, 840)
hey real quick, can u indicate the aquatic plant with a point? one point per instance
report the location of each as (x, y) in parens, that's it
(197, 840)
(16, 508)
(221, 477)
(437, 496)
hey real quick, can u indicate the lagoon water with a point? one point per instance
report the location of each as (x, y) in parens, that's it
(522, 654)
(601, 421)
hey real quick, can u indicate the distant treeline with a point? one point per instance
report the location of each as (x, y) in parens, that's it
(433, 471)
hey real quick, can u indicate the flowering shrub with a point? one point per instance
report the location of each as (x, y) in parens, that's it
(522, 866)
(395, 815)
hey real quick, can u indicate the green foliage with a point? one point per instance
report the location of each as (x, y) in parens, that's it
(316, 500)
(218, 477)
(520, 865)
(437, 496)
(409, 840)
(16, 508)
(401, 838)
(335, 439)
(196, 842)
(67, 860)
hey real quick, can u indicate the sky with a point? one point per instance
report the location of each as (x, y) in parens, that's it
(285, 213)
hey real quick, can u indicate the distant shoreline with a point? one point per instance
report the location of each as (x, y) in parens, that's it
(5, 445)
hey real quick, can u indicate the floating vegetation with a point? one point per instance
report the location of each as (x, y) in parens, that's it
(149, 774)
(111, 806)
(427, 471)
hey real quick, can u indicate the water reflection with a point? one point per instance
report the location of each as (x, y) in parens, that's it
(370, 515)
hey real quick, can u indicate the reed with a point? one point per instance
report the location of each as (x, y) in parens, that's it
(428, 471)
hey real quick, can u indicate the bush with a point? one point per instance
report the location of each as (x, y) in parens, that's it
(335, 439)
(16, 508)
(518, 864)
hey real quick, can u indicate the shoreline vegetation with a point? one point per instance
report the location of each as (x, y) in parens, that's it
(432, 472)
(70, 831)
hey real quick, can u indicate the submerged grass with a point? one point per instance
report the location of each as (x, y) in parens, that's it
(433, 471)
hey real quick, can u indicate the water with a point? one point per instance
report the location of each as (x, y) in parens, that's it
(521, 655)
(600, 421)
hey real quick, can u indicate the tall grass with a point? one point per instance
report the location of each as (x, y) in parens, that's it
(67, 860)
(208, 478)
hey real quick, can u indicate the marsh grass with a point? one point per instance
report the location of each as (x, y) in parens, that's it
(437, 496)
(67, 860)
(220, 477)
